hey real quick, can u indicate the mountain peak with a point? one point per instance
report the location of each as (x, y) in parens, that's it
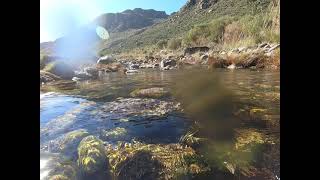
(129, 19)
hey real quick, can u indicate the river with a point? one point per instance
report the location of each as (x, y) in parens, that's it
(105, 109)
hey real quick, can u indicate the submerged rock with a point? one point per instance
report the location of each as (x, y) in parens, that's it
(70, 143)
(153, 161)
(92, 157)
(155, 92)
(114, 134)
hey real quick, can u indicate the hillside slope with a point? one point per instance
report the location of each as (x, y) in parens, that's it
(177, 25)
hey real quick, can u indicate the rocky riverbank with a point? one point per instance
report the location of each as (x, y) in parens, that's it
(262, 56)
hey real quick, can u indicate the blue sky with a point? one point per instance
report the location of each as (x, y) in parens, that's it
(58, 17)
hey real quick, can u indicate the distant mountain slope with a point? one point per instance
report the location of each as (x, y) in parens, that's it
(129, 19)
(192, 13)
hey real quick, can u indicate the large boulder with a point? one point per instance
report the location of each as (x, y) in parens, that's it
(60, 69)
(92, 71)
(105, 60)
(92, 158)
(167, 62)
(71, 141)
(87, 73)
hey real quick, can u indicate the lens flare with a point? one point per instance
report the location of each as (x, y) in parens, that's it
(102, 32)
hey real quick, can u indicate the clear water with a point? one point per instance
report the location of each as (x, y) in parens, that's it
(83, 107)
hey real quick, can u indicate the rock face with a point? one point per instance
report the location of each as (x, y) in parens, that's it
(150, 93)
(199, 4)
(92, 157)
(129, 19)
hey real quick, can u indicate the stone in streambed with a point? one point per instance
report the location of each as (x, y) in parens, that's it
(70, 143)
(155, 92)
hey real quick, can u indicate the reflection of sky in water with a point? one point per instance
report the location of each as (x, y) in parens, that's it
(53, 105)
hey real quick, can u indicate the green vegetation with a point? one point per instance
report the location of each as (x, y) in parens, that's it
(192, 22)
(92, 157)
(210, 32)
(174, 44)
(162, 44)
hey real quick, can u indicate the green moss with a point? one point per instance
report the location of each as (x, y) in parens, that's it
(91, 153)
(115, 133)
(70, 144)
(154, 161)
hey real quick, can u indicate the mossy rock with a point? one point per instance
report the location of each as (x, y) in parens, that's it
(70, 143)
(154, 161)
(92, 157)
(114, 134)
(155, 92)
(60, 69)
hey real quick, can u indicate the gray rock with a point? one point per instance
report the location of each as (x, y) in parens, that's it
(134, 66)
(167, 62)
(92, 71)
